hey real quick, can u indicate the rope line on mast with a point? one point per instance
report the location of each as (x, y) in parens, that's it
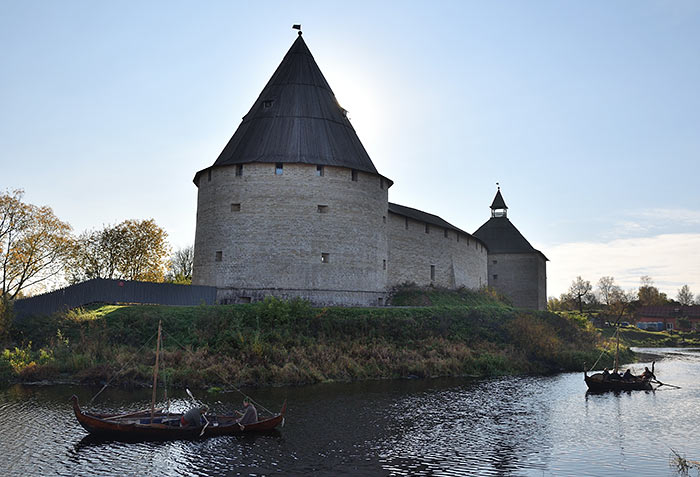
(123, 368)
(223, 378)
(601, 354)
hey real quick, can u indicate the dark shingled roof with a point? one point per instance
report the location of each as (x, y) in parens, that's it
(296, 119)
(669, 311)
(501, 236)
(421, 216)
(498, 202)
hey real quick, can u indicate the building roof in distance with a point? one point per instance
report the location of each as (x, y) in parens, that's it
(297, 119)
(669, 311)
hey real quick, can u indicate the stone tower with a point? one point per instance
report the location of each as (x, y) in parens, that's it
(515, 267)
(293, 206)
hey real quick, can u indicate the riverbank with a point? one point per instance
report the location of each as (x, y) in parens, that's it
(633, 336)
(280, 343)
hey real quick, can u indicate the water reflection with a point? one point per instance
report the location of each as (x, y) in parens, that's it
(505, 427)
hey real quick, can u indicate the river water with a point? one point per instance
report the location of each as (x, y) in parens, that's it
(529, 426)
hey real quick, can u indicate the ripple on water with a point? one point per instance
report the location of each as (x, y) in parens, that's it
(539, 426)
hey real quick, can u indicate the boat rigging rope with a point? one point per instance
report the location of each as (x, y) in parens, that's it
(223, 378)
(123, 367)
(602, 353)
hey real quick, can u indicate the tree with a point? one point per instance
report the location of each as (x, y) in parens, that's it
(180, 266)
(649, 295)
(607, 290)
(34, 244)
(621, 302)
(146, 250)
(97, 254)
(130, 250)
(580, 292)
(685, 296)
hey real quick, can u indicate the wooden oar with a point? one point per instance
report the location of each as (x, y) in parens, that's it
(205, 425)
(664, 384)
(191, 395)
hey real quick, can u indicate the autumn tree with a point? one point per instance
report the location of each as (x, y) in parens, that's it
(180, 266)
(130, 250)
(621, 303)
(97, 254)
(685, 296)
(34, 244)
(607, 288)
(649, 295)
(580, 292)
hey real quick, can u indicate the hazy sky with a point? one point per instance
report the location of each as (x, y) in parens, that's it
(587, 113)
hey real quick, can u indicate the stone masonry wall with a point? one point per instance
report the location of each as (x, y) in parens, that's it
(521, 277)
(266, 232)
(457, 261)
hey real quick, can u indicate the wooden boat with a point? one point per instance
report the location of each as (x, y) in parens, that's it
(602, 382)
(154, 424)
(598, 382)
(166, 426)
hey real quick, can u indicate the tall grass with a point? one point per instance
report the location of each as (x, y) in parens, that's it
(290, 342)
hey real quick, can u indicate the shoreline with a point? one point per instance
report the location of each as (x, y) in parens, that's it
(289, 343)
(280, 343)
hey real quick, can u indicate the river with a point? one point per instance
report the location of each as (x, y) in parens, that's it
(524, 426)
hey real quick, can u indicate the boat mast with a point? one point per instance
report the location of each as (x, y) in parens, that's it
(617, 346)
(155, 373)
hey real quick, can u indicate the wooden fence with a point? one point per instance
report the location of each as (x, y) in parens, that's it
(100, 290)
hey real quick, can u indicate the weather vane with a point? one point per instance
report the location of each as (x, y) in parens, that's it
(297, 26)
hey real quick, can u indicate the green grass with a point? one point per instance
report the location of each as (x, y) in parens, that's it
(278, 342)
(632, 336)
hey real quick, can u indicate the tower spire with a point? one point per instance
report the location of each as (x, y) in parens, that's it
(498, 206)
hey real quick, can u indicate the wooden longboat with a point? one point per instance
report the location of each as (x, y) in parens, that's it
(166, 426)
(598, 383)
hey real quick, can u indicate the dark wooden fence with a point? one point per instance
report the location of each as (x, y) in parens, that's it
(114, 291)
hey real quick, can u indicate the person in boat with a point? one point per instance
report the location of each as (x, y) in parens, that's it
(194, 416)
(606, 374)
(628, 375)
(646, 375)
(250, 415)
(615, 376)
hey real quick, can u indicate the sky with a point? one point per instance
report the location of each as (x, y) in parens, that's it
(586, 113)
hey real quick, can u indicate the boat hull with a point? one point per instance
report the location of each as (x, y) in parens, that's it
(598, 383)
(138, 426)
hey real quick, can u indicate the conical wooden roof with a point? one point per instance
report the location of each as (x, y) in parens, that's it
(498, 202)
(296, 119)
(501, 236)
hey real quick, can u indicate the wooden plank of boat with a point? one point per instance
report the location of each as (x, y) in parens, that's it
(166, 426)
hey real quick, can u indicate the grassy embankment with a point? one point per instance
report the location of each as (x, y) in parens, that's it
(633, 336)
(275, 342)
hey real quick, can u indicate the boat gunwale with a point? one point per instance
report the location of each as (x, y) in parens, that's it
(97, 424)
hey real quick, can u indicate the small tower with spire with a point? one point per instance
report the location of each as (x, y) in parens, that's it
(498, 206)
(515, 268)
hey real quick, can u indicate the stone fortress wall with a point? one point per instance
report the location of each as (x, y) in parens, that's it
(520, 276)
(297, 233)
(427, 254)
(326, 238)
